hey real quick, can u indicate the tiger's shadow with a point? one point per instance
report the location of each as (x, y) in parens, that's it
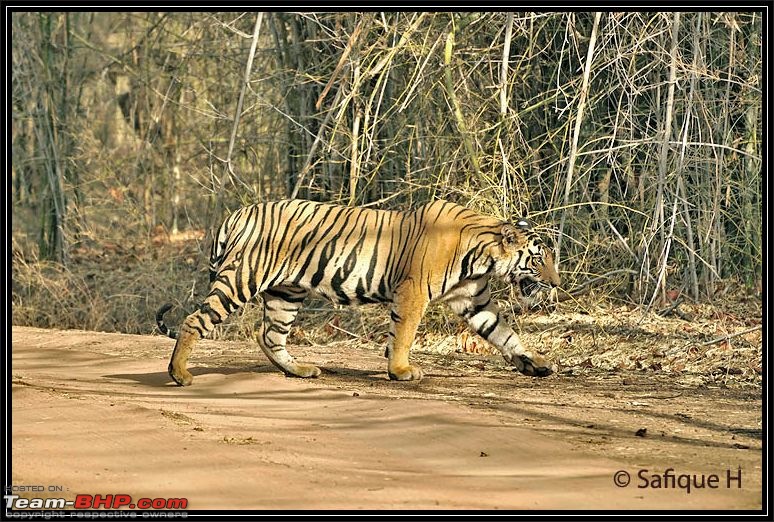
(354, 374)
(162, 379)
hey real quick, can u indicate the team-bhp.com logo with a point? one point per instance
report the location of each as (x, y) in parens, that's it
(94, 502)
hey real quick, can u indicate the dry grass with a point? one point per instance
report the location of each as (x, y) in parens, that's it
(718, 345)
(111, 288)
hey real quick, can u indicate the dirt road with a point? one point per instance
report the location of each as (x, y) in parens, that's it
(97, 414)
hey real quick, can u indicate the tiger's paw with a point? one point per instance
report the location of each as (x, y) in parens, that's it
(305, 371)
(181, 377)
(536, 366)
(406, 373)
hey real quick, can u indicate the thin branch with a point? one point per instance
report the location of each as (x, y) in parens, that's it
(238, 114)
(391, 53)
(730, 336)
(658, 211)
(315, 144)
(340, 66)
(504, 66)
(672, 308)
(576, 133)
(455, 103)
(585, 287)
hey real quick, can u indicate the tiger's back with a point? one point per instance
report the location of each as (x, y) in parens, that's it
(349, 255)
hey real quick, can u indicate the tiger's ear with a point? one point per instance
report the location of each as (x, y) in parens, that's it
(511, 235)
(523, 224)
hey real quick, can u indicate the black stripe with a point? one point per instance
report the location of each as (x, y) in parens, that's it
(239, 283)
(286, 324)
(285, 296)
(314, 232)
(201, 322)
(325, 256)
(201, 331)
(486, 332)
(277, 328)
(360, 294)
(228, 304)
(471, 312)
(467, 264)
(215, 317)
(377, 243)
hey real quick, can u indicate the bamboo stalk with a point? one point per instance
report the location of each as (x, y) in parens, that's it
(661, 278)
(658, 212)
(315, 144)
(48, 137)
(456, 108)
(693, 274)
(694, 282)
(354, 165)
(504, 65)
(240, 102)
(576, 132)
(342, 60)
(504, 107)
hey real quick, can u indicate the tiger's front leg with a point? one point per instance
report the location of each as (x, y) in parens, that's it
(475, 305)
(407, 310)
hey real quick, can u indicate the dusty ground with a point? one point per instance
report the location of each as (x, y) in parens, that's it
(96, 414)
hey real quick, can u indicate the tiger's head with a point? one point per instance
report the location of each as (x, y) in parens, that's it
(526, 262)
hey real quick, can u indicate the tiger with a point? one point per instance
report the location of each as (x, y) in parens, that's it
(441, 251)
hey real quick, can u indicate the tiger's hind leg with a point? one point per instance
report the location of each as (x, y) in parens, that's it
(280, 308)
(197, 325)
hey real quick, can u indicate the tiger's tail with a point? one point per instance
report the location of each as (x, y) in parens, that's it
(160, 321)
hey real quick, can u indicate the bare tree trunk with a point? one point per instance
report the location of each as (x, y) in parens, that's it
(52, 235)
(690, 242)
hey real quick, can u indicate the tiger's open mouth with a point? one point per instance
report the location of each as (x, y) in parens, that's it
(528, 286)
